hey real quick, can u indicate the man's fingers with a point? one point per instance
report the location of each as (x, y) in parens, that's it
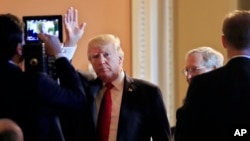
(71, 14)
(75, 13)
(83, 25)
(43, 37)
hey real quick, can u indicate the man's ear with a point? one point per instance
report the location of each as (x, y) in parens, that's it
(224, 41)
(121, 59)
(19, 49)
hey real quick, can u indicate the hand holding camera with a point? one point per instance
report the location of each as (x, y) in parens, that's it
(43, 38)
(52, 44)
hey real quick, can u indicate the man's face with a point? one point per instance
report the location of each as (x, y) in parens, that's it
(194, 66)
(18, 57)
(105, 61)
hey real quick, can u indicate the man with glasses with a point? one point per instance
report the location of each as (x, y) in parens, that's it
(201, 60)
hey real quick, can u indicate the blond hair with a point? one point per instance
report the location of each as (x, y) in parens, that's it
(104, 39)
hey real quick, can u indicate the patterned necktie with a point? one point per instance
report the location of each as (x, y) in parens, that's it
(104, 116)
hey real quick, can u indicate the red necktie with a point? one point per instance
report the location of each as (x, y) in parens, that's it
(104, 116)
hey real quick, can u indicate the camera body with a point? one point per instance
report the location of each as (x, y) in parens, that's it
(36, 59)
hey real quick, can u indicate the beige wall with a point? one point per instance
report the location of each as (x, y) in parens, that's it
(102, 16)
(196, 23)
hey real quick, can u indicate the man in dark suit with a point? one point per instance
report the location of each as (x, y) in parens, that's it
(137, 112)
(33, 99)
(217, 102)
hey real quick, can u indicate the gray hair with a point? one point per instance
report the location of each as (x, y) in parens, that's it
(211, 57)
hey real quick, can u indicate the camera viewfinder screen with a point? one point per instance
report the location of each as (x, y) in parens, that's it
(34, 25)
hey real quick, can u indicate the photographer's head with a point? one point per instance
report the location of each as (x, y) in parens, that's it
(10, 130)
(11, 37)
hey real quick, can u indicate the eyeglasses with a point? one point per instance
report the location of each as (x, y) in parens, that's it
(193, 70)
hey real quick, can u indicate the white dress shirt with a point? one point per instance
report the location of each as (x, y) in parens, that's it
(116, 95)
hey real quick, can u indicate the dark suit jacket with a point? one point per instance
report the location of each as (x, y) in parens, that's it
(142, 113)
(33, 100)
(217, 103)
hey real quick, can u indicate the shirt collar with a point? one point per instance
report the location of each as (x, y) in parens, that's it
(237, 56)
(246, 56)
(119, 81)
(12, 62)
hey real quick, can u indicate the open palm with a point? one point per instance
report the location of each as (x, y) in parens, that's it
(74, 31)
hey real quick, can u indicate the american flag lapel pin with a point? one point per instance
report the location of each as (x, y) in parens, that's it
(130, 89)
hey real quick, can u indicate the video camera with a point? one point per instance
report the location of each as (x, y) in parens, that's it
(36, 60)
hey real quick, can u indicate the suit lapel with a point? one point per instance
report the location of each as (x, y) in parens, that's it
(128, 91)
(94, 89)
